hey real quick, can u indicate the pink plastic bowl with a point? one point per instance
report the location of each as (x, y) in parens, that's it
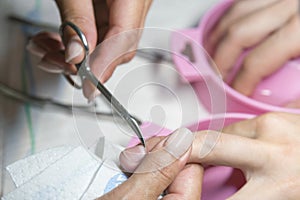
(273, 92)
(219, 182)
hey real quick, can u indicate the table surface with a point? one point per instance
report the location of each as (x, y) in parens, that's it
(162, 98)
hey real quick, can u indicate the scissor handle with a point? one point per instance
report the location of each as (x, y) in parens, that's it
(81, 37)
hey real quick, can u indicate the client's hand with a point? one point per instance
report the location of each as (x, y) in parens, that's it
(265, 148)
(271, 27)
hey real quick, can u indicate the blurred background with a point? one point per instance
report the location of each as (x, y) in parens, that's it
(26, 129)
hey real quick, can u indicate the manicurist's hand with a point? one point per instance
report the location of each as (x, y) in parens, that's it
(163, 168)
(99, 20)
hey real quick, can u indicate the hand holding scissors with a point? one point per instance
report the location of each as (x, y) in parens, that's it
(85, 73)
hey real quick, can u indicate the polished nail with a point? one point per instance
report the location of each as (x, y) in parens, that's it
(35, 50)
(131, 158)
(49, 67)
(167, 151)
(74, 49)
(93, 96)
(179, 142)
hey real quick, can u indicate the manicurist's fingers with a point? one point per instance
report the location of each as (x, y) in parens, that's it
(187, 185)
(120, 40)
(81, 13)
(158, 168)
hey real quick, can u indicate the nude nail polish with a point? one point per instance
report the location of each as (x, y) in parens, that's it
(35, 50)
(74, 49)
(49, 67)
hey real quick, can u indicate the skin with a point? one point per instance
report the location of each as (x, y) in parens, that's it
(270, 27)
(260, 146)
(265, 148)
(99, 20)
(179, 179)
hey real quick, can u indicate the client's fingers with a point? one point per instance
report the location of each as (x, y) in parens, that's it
(261, 62)
(262, 127)
(250, 30)
(217, 148)
(240, 9)
(293, 104)
(259, 189)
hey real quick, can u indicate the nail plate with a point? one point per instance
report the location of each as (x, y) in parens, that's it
(35, 50)
(93, 96)
(167, 151)
(131, 158)
(49, 67)
(74, 49)
(179, 142)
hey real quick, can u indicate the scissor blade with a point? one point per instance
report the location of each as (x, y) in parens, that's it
(117, 106)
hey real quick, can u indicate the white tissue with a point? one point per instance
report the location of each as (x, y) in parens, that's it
(25, 169)
(107, 178)
(109, 152)
(67, 173)
(68, 178)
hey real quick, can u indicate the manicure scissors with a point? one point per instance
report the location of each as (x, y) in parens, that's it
(85, 72)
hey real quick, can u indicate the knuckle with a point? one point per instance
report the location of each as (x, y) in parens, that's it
(72, 15)
(290, 187)
(269, 119)
(238, 8)
(209, 141)
(128, 56)
(107, 74)
(162, 173)
(165, 175)
(291, 5)
(235, 33)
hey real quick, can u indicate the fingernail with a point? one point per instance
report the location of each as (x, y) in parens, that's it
(167, 151)
(89, 91)
(93, 96)
(131, 158)
(74, 49)
(49, 67)
(293, 104)
(35, 50)
(179, 142)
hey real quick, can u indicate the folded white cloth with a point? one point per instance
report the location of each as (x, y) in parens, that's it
(27, 168)
(63, 173)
